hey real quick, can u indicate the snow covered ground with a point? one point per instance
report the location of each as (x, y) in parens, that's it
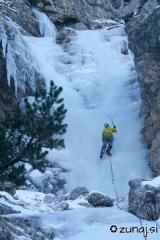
(99, 84)
(79, 223)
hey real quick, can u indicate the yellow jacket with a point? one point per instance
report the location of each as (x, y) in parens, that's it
(108, 131)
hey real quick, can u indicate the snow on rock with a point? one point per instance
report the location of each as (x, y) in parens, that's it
(75, 193)
(51, 181)
(5, 210)
(155, 182)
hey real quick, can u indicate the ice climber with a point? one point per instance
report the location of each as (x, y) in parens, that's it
(107, 139)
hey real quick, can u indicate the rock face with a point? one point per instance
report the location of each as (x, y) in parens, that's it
(144, 200)
(20, 13)
(127, 8)
(144, 42)
(68, 13)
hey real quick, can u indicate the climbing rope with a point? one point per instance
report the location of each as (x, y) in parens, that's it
(113, 182)
(143, 232)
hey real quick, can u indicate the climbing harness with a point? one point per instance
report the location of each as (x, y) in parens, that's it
(113, 182)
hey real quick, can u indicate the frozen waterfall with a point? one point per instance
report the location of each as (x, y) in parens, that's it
(99, 84)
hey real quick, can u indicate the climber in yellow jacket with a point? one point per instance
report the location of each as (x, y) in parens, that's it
(107, 139)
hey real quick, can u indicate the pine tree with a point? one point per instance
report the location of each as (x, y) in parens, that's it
(22, 134)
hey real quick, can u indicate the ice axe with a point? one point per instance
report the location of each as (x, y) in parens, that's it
(112, 122)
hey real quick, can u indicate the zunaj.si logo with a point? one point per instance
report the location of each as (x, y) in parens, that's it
(144, 230)
(113, 228)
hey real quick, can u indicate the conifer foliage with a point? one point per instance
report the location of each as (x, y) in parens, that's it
(23, 133)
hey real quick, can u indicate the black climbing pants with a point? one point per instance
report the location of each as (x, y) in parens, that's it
(107, 142)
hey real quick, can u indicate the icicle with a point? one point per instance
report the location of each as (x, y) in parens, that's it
(47, 28)
(11, 67)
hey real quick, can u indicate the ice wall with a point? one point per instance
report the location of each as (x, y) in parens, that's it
(99, 84)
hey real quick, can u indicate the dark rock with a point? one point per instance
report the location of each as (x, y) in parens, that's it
(5, 234)
(8, 187)
(99, 200)
(144, 200)
(75, 193)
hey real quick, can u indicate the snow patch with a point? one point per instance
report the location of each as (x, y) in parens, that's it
(155, 182)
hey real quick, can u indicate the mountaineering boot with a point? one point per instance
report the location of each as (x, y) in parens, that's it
(108, 153)
(101, 156)
(102, 152)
